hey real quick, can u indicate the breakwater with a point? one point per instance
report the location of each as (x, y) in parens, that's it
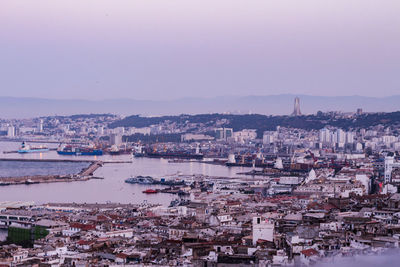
(84, 175)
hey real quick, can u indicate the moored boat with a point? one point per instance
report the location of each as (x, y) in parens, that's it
(79, 151)
(140, 180)
(174, 155)
(114, 150)
(25, 148)
(150, 191)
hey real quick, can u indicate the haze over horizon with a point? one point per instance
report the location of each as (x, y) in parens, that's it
(166, 50)
(14, 107)
(206, 97)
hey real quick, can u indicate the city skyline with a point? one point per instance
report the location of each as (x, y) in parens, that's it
(199, 133)
(12, 107)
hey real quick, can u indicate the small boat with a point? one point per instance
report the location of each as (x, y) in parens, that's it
(29, 181)
(171, 182)
(183, 193)
(150, 191)
(177, 161)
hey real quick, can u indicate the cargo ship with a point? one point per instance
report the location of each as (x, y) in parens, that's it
(25, 148)
(150, 180)
(114, 150)
(79, 151)
(174, 155)
(247, 161)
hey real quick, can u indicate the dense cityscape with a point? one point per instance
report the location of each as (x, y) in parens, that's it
(199, 133)
(299, 196)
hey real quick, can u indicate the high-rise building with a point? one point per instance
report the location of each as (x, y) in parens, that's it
(349, 137)
(115, 139)
(219, 133)
(100, 130)
(223, 133)
(269, 137)
(390, 164)
(40, 126)
(325, 136)
(11, 131)
(228, 133)
(340, 136)
(296, 111)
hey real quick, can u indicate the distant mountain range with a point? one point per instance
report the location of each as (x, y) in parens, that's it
(15, 107)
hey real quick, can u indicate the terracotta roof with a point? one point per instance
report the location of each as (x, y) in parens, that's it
(85, 242)
(309, 252)
(82, 226)
(122, 256)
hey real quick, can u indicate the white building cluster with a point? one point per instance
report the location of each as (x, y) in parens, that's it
(336, 137)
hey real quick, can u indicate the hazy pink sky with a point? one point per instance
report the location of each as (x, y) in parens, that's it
(177, 48)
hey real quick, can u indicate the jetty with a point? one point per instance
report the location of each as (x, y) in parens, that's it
(84, 175)
(47, 160)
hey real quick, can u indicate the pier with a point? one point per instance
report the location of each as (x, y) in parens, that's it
(47, 160)
(91, 169)
(66, 160)
(84, 175)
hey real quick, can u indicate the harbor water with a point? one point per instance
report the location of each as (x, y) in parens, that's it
(110, 189)
(29, 168)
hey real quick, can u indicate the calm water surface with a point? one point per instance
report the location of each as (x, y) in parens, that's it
(112, 187)
(31, 168)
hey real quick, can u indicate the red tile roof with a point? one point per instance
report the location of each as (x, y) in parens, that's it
(83, 227)
(309, 252)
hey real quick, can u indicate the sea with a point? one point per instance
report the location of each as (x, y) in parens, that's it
(110, 189)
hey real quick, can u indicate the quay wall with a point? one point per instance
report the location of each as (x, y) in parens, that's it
(84, 175)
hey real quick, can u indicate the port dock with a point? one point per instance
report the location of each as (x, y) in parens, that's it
(66, 160)
(84, 175)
